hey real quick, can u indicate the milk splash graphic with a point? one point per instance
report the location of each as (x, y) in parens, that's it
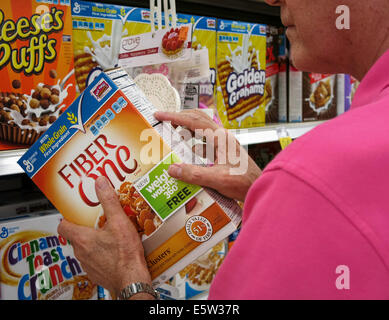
(108, 56)
(53, 110)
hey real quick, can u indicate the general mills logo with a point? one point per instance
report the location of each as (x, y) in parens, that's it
(4, 233)
(76, 8)
(29, 166)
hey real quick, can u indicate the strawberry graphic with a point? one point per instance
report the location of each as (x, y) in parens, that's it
(174, 40)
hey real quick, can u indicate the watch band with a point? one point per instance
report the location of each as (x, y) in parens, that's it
(135, 288)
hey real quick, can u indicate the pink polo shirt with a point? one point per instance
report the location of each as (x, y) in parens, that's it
(317, 221)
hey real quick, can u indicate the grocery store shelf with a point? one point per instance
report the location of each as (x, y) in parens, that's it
(246, 10)
(269, 133)
(8, 162)
(9, 159)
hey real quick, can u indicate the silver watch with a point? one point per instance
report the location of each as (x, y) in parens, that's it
(137, 287)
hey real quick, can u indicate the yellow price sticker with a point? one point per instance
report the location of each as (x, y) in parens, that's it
(286, 141)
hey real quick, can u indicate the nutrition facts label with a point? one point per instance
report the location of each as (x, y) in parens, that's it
(134, 94)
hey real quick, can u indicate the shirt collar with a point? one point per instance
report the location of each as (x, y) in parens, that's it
(374, 83)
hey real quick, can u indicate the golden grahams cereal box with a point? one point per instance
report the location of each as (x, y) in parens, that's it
(98, 30)
(204, 36)
(241, 77)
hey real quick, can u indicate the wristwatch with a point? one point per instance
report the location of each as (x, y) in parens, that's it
(135, 288)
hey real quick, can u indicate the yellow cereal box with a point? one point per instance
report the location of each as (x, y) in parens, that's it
(110, 131)
(39, 264)
(36, 68)
(98, 30)
(204, 36)
(241, 77)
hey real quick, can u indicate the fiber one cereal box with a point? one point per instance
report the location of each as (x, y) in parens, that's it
(98, 30)
(36, 68)
(241, 74)
(110, 131)
(204, 36)
(39, 264)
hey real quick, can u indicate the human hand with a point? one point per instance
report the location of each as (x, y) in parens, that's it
(233, 171)
(113, 256)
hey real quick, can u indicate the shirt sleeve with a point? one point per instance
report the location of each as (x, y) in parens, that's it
(295, 244)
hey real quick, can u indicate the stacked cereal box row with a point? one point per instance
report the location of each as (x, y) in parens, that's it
(314, 96)
(51, 52)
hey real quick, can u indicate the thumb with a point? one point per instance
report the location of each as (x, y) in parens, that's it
(108, 197)
(202, 176)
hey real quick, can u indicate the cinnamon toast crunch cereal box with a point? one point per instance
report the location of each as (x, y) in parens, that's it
(110, 131)
(241, 74)
(39, 264)
(98, 30)
(36, 68)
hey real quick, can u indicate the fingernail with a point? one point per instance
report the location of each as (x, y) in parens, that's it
(102, 183)
(175, 171)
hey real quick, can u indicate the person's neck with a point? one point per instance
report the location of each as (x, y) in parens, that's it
(361, 69)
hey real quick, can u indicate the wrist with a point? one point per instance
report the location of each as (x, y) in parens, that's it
(138, 291)
(133, 272)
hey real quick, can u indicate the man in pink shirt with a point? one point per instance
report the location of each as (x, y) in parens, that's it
(316, 221)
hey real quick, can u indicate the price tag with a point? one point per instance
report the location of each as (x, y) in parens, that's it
(284, 138)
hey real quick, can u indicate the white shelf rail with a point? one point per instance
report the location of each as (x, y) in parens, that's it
(9, 159)
(269, 133)
(8, 162)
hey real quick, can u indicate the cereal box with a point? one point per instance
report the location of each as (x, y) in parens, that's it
(204, 36)
(312, 96)
(241, 77)
(39, 264)
(197, 277)
(347, 87)
(36, 68)
(98, 30)
(282, 77)
(272, 75)
(110, 131)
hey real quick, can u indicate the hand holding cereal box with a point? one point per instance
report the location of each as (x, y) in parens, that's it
(110, 130)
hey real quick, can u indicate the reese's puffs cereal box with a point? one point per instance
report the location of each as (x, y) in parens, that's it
(241, 74)
(36, 68)
(110, 130)
(39, 264)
